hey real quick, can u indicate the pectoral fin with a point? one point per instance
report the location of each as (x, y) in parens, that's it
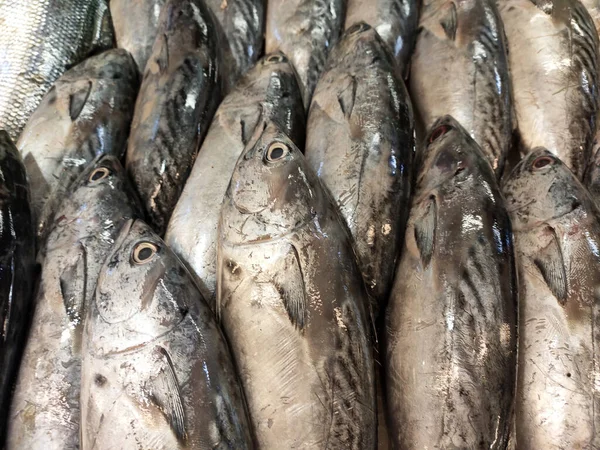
(551, 265)
(289, 281)
(347, 97)
(72, 286)
(78, 99)
(425, 229)
(449, 21)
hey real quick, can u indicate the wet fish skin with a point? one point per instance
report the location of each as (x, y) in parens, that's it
(45, 409)
(557, 233)
(136, 25)
(179, 95)
(360, 142)
(396, 21)
(86, 113)
(40, 39)
(555, 81)
(157, 372)
(269, 91)
(460, 67)
(299, 331)
(17, 269)
(450, 333)
(305, 30)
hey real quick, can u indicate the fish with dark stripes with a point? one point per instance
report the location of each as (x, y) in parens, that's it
(293, 305)
(450, 329)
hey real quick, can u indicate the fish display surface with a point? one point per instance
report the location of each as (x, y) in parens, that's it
(39, 40)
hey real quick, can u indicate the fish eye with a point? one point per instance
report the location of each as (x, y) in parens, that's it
(439, 132)
(144, 252)
(276, 58)
(277, 151)
(99, 174)
(541, 162)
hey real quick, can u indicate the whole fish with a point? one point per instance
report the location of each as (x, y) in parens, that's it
(557, 236)
(293, 305)
(553, 49)
(45, 409)
(460, 67)
(157, 372)
(17, 269)
(136, 25)
(360, 142)
(305, 30)
(268, 91)
(39, 40)
(178, 98)
(396, 22)
(451, 322)
(86, 113)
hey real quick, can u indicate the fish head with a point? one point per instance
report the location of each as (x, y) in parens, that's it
(114, 64)
(541, 187)
(361, 46)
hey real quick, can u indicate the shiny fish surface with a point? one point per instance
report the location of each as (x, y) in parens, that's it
(557, 236)
(305, 30)
(451, 321)
(299, 332)
(178, 97)
(157, 373)
(553, 53)
(45, 409)
(39, 40)
(460, 67)
(136, 25)
(360, 143)
(268, 91)
(87, 113)
(17, 269)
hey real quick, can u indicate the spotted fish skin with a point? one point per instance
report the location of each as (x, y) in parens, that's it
(305, 30)
(557, 235)
(269, 91)
(450, 334)
(553, 53)
(39, 40)
(360, 142)
(179, 95)
(45, 409)
(299, 332)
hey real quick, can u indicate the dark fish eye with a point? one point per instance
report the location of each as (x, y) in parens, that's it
(276, 58)
(439, 132)
(144, 252)
(277, 151)
(541, 162)
(99, 174)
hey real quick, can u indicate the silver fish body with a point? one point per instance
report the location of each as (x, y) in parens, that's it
(292, 304)
(450, 329)
(86, 113)
(178, 97)
(45, 409)
(557, 235)
(39, 40)
(460, 67)
(305, 30)
(157, 373)
(553, 53)
(360, 142)
(269, 91)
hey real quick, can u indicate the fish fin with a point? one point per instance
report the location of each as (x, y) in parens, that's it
(289, 282)
(164, 393)
(78, 100)
(449, 22)
(162, 58)
(551, 265)
(72, 282)
(425, 229)
(347, 97)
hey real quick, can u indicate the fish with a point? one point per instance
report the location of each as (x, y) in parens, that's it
(305, 30)
(460, 67)
(451, 324)
(553, 56)
(556, 225)
(86, 113)
(136, 25)
(396, 22)
(39, 40)
(360, 142)
(292, 304)
(179, 95)
(269, 91)
(17, 269)
(156, 371)
(45, 412)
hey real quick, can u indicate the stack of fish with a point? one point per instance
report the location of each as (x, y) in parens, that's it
(306, 224)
